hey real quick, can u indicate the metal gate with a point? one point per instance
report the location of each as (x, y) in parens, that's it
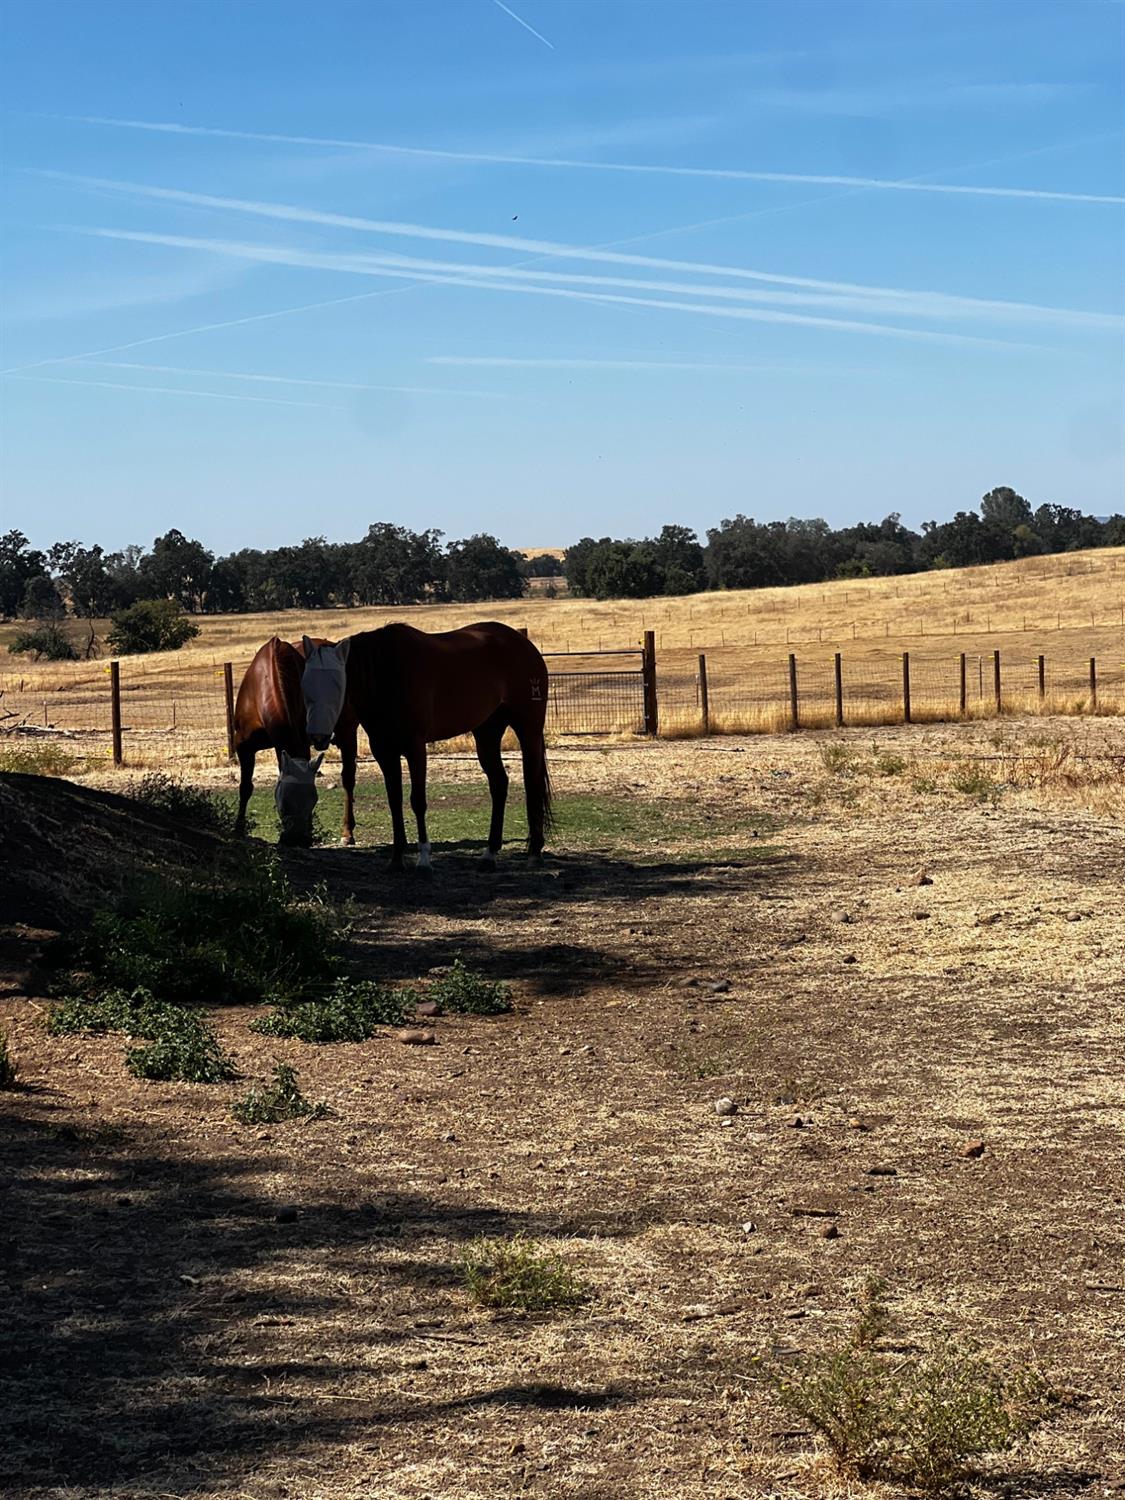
(602, 692)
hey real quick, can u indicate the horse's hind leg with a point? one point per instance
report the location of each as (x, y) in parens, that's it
(246, 758)
(391, 766)
(488, 738)
(416, 762)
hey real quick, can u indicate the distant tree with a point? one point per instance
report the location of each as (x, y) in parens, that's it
(1064, 529)
(177, 568)
(480, 568)
(741, 554)
(679, 560)
(393, 565)
(576, 564)
(546, 565)
(151, 625)
(84, 577)
(124, 571)
(42, 600)
(46, 640)
(19, 563)
(1114, 534)
(226, 593)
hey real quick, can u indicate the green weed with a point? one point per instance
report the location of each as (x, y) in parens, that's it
(43, 759)
(969, 779)
(351, 1011)
(180, 1045)
(470, 994)
(517, 1275)
(917, 1419)
(168, 794)
(282, 1099)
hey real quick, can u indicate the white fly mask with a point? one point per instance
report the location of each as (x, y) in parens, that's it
(323, 685)
(295, 797)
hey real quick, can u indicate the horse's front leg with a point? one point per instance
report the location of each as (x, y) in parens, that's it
(246, 759)
(348, 755)
(416, 761)
(391, 766)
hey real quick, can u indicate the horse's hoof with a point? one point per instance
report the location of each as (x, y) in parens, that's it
(347, 841)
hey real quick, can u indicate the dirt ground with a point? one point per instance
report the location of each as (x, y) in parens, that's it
(167, 1335)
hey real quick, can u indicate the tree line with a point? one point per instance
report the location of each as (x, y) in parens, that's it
(392, 565)
(742, 553)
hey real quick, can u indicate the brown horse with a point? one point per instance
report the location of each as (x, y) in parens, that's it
(270, 714)
(409, 689)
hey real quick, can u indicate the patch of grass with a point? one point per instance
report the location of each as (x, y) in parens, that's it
(836, 758)
(269, 1104)
(918, 1420)
(923, 784)
(975, 783)
(181, 1046)
(169, 794)
(43, 759)
(888, 764)
(459, 813)
(239, 937)
(470, 994)
(351, 1011)
(9, 1072)
(517, 1275)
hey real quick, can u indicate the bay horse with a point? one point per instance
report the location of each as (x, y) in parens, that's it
(270, 715)
(409, 689)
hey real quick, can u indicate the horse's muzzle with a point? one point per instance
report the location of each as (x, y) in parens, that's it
(320, 741)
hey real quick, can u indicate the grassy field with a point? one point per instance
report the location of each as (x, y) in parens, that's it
(929, 1071)
(1069, 607)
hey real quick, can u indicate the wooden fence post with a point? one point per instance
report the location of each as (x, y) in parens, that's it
(1042, 679)
(1093, 684)
(964, 695)
(839, 671)
(648, 679)
(228, 689)
(794, 711)
(906, 687)
(115, 711)
(704, 701)
(996, 681)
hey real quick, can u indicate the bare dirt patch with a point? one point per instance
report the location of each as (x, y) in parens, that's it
(167, 1333)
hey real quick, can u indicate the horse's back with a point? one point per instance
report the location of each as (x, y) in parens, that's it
(448, 682)
(269, 697)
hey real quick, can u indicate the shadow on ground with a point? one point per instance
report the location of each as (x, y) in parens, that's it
(133, 1274)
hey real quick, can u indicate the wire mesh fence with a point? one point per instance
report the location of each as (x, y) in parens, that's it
(171, 715)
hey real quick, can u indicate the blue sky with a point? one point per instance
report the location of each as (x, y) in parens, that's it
(555, 268)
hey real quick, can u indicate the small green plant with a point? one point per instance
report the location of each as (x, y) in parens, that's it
(518, 1275)
(889, 764)
(923, 784)
(170, 795)
(352, 1011)
(150, 625)
(44, 759)
(268, 1104)
(974, 783)
(181, 1046)
(836, 757)
(916, 1419)
(9, 1073)
(470, 994)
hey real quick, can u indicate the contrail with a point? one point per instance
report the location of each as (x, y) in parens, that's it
(546, 248)
(733, 174)
(516, 362)
(170, 390)
(358, 265)
(181, 333)
(335, 385)
(538, 34)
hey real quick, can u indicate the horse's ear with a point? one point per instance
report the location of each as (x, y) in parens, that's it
(306, 642)
(314, 766)
(342, 650)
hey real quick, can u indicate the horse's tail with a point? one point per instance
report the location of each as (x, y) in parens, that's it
(537, 788)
